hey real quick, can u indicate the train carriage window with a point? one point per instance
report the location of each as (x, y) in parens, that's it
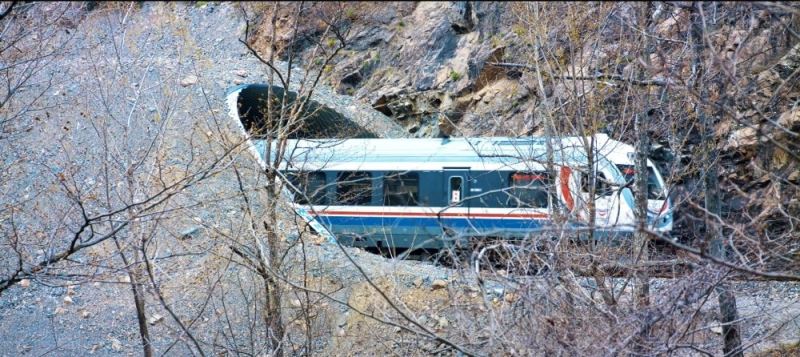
(400, 189)
(311, 186)
(354, 188)
(528, 189)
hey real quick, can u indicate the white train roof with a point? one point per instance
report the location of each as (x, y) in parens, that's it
(477, 154)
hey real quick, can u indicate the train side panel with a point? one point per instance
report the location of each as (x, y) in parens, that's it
(435, 221)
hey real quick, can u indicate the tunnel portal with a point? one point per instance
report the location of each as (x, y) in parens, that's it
(318, 121)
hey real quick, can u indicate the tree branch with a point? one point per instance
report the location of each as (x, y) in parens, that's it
(718, 261)
(8, 10)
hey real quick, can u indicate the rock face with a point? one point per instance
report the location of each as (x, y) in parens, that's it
(423, 63)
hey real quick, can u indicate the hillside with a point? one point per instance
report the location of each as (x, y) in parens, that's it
(136, 219)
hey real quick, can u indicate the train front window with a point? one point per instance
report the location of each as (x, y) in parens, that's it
(528, 189)
(654, 189)
(311, 186)
(602, 187)
(354, 188)
(400, 189)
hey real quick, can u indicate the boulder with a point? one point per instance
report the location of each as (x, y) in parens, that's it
(480, 71)
(382, 100)
(188, 81)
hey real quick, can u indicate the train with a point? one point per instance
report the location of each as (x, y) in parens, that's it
(659, 206)
(439, 192)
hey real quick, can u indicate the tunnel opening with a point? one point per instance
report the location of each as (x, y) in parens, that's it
(317, 120)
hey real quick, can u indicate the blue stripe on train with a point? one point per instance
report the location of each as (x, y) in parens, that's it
(428, 223)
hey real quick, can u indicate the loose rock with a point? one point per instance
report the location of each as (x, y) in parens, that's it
(716, 329)
(510, 297)
(154, 319)
(116, 345)
(191, 232)
(188, 81)
(794, 177)
(438, 284)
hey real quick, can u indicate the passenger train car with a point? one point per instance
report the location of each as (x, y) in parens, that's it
(431, 193)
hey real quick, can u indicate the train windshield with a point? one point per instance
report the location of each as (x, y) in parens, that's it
(602, 187)
(654, 189)
(528, 189)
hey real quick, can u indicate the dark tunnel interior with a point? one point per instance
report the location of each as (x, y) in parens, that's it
(319, 121)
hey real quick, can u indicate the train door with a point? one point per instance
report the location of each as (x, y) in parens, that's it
(457, 187)
(454, 217)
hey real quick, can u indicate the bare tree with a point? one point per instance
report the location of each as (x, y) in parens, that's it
(100, 187)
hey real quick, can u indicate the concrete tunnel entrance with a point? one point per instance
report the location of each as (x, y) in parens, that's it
(319, 121)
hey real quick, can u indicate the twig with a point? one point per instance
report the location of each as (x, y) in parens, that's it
(703, 254)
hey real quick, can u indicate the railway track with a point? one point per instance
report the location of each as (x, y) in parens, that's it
(665, 261)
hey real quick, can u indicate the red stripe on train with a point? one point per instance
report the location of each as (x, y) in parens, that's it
(565, 174)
